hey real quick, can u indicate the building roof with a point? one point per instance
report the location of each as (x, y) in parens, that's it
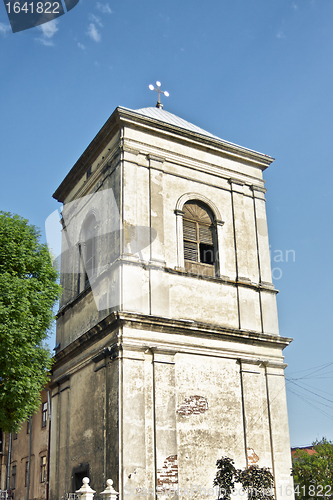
(308, 449)
(166, 117)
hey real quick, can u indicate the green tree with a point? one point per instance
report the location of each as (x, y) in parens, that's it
(225, 477)
(28, 292)
(313, 474)
(257, 481)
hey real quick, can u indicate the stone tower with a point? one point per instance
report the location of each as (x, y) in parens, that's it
(169, 354)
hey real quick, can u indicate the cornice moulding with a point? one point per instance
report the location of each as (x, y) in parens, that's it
(116, 321)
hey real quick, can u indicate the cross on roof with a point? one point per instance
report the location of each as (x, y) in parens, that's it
(159, 92)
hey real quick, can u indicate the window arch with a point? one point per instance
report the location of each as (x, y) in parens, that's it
(199, 237)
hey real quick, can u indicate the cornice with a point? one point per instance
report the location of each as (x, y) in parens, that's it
(187, 161)
(196, 328)
(261, 160)
(120, 320)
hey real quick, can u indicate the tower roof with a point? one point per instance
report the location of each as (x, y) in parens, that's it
(166, 117)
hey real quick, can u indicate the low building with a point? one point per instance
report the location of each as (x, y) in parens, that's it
(3, 460)
(308, 449)
(18, 451)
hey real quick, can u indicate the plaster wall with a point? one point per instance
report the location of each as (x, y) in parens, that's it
(151, 192)
(172, 146)
(161, 411)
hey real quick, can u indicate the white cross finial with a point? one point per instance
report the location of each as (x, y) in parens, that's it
(159, 92)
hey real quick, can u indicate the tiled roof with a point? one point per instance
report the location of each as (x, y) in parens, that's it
(308, 449)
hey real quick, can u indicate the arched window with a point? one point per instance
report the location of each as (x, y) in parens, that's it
(199, 234)
(87, 253)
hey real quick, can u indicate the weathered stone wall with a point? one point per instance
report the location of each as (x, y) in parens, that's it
(85, 431)
(158, 417)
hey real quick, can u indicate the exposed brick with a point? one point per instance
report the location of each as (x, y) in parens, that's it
(167, 476)
(252, 456)
(193, 405)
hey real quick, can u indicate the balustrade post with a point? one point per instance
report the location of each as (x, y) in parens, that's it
(109, 493)
(85, 491)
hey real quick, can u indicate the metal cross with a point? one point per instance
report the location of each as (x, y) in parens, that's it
(159, 92)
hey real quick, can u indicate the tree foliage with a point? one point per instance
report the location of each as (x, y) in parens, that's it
(313, 474)
(257, 481)
(225, 477)
(28, 292)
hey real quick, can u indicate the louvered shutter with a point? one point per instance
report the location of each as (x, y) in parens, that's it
(198, 235)
(190, 230)
(205, 235)
(191, 251)
(190, 240)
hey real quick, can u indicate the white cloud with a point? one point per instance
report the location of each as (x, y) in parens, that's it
(4, 28)
(294, 6)
(45, 41)
(81, 46)
(104, 8)
(95, 20)
(48, 31)
(93, 33)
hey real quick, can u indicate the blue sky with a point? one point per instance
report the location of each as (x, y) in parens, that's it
(258, 73)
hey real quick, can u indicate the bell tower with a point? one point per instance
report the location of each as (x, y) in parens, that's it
(169, 350)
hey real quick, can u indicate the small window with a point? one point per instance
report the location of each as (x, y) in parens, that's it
(88, 172)
(87, 252)
(15, 435)
(199, 236)
(78, 475)
(26, 474)
(43, 469)
(13, 477)
(90, 259)
(44, 415)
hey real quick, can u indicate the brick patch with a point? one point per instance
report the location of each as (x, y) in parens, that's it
(193, 405)
(167, 477)
(252, 456)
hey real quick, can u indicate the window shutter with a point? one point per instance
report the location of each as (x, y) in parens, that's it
(191, 251)
(199, 236)
(205, 235)
(190, 230)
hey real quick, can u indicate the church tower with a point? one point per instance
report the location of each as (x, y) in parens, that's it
(168, 349)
